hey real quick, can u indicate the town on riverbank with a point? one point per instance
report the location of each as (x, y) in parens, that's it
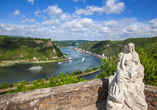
(90, 53)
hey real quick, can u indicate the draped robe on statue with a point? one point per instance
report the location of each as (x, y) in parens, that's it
(126, 85)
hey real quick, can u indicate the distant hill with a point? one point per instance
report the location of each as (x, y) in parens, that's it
(111, 48)
(13, 48)
(69, 43)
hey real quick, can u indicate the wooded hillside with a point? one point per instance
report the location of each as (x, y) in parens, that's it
(111, 48)
(13, 48)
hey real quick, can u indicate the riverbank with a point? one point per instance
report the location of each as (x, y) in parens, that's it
(17, 62)
(90, 53)
(88, 73)
(46, 80)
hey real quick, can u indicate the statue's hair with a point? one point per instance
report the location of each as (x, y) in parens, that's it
(133, 46)
(135, 57)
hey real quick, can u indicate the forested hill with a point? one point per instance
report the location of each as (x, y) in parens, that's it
(16, 48)
(68, 43)
(110, 48)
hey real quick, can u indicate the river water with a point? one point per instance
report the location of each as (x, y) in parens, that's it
(21, 72)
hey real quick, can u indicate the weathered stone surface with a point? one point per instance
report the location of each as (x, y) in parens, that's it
(126, 87)
(66, 97)
(51, 107)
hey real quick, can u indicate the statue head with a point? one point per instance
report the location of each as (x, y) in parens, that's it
(126, 50)
(131, 47)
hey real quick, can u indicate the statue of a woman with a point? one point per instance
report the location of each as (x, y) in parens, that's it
(126, 85)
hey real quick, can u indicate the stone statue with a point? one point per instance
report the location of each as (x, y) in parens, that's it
(126, 85)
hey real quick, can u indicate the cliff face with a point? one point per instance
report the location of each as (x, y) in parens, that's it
(17, 48)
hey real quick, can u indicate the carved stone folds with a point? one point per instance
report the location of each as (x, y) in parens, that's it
(126, 87)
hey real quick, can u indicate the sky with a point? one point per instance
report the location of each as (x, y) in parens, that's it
(79, 19)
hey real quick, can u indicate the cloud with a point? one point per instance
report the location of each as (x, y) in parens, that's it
(83, 28)
(23, 16)
(79, 0)
(75, 0)
(53, 27)
(53, 10)
(111, 6)
(15, 13)
(50, 22)
(38, 13)
(31, 1)
(111, 23)
(44, 17)
(28, 20)
(153, 23)
(65, 17)
(78, 23)
(27, 30)
(37, 23)
(132, 28)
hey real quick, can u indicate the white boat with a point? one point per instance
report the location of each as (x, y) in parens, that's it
(35, 68)
(83, 59)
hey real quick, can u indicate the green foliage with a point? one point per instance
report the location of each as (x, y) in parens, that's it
(53, 81)
(69, 43)
(111, 48)
(50, 81)
(4, 85)
(62, 43)
(86, 71)
(150, 68)
(17, 48)
(109, 66)
(47, 78)
(145, 47)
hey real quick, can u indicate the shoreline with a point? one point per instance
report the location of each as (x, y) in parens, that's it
(88, 73)
(14, 86)
(27, 62)
(89, 53)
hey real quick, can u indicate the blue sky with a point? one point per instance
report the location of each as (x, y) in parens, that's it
(79, 19)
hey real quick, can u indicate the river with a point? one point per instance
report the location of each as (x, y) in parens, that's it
(21, 72)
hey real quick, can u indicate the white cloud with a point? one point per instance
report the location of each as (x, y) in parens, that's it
(28, 20)
(79, 0)
(23, 16)
(132, 28)
(31, 1)
(50, 22)
(111, 6)
(65, 17)
(15, 13)
(111, 23)
(78, 23)
(75, 0)
(38, 13)
(37, 23)
(53, 27)
(84, 28)
(44, 17)
(53, 10)
(153, 23)
(26, 30)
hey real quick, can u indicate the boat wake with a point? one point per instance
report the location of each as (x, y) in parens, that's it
(68, 61)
